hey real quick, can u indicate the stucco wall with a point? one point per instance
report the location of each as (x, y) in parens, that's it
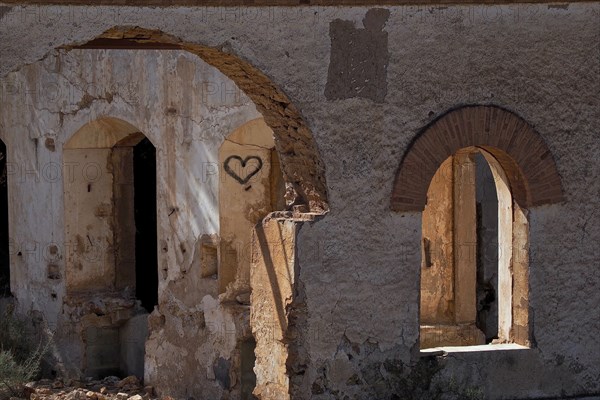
(359, 265)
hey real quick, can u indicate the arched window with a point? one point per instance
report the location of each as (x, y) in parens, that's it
(473, 173)
(474, 239)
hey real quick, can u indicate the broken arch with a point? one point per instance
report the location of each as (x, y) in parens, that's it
(300, 160)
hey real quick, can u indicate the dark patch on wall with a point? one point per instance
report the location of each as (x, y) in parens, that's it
(359, 58)
(221, 370)
(50, 145)
(54, 272)
(4, 10)
(247, 375)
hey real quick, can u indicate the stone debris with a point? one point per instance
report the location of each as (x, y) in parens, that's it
(130, 380)
(109, 388)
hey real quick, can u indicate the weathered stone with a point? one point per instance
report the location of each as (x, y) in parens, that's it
(149, 390)
(129, 381)
(272, 280)
(58, 384)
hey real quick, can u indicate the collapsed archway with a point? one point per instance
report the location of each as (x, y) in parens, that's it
(300, 161)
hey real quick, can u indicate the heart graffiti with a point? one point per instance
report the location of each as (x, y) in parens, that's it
(243, 162)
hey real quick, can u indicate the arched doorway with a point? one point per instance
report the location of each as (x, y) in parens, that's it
(187, 220)
(110, 226)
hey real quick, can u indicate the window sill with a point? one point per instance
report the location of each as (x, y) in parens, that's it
(438, 351)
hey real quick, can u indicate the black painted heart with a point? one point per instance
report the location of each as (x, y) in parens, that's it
(244, 176)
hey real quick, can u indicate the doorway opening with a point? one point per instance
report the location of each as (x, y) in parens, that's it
(146, 261)
(110, 219)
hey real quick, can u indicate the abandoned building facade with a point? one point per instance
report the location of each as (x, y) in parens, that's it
(306, 202)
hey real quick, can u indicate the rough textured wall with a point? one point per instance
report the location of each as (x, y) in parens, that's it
(541, 68)
(273, 281)
(359, 266)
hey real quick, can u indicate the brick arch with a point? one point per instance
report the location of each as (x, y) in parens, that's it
(300, 160)
(525, 158)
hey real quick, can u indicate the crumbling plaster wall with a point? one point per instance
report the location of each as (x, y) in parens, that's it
(359, 265)
(186, 108)
(537, 67)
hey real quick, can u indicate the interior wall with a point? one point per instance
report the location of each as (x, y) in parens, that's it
(124, 225)
(249, 182)
(89, 226)
(460, 231)
(506, 238)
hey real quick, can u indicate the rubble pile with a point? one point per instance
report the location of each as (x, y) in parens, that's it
(109, 388)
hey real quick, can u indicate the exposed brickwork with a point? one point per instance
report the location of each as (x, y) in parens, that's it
(300, 160)
(520, 150)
